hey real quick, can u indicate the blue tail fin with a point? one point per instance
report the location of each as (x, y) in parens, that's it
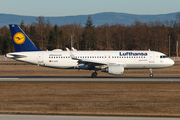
(21, 40)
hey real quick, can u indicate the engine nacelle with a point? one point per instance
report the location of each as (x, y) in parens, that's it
(116, 70)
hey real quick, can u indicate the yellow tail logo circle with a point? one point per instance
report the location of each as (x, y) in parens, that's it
(19, 38)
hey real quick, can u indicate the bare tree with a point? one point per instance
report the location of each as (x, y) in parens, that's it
(40, 26)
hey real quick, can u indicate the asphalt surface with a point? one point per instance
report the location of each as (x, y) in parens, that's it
(56, 117)
(86, 79)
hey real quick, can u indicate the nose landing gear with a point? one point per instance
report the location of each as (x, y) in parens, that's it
(151, 74)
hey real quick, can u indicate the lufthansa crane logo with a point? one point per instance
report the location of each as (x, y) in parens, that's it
(19, 38)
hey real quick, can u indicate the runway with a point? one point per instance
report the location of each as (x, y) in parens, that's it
(86, 79)
(56, 117)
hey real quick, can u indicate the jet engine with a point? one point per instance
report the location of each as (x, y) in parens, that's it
(114, 70)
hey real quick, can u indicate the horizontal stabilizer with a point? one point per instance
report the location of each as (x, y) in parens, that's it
(15, 55)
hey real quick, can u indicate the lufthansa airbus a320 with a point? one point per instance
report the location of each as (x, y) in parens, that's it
(112, 62)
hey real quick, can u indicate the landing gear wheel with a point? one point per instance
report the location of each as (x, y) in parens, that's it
(151, 75)
(94, 75)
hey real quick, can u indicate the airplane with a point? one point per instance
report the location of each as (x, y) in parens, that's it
(112, 62)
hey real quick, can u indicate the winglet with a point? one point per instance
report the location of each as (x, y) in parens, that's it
(74, 49)
(72, 56)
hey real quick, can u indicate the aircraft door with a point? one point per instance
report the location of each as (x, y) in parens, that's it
(151, 58)
(40, 59)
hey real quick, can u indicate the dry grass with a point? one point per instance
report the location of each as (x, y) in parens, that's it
(152, 99)
(33, 70)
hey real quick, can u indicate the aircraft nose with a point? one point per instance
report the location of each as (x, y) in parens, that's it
(171, 62)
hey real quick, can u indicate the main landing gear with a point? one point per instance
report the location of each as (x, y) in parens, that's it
(94, 74)
(151, 74)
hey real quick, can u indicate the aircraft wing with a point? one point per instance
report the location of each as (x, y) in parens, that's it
(87, 61)
(91, 62)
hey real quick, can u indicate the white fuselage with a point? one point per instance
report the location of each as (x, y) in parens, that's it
(129, 59)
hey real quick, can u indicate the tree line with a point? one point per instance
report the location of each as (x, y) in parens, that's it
(153, 35)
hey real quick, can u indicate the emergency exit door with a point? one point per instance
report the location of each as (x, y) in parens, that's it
(151, 58)
(40, 59)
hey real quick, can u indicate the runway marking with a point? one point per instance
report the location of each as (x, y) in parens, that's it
(9, 78)
(86, 79)
(80, 117)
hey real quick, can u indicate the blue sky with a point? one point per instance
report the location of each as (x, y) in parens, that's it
(86, 7)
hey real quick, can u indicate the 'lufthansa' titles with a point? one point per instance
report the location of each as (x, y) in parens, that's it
(132, 54)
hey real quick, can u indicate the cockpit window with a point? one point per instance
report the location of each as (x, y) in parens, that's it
(163, 56)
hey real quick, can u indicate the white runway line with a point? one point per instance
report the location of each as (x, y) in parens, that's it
(60, 117)
(85, 79)
(9, 78)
